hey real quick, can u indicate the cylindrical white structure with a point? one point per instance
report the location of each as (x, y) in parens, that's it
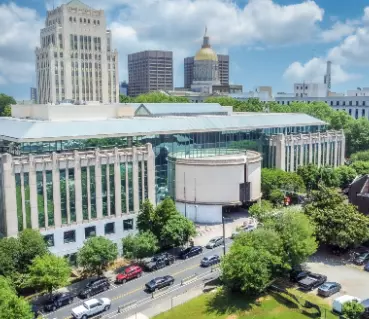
(203, 186)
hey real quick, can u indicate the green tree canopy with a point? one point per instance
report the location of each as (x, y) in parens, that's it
(261, 210)
(177, 231)
(345, 174)
(297, 234)
(12, 306)
(10, 252)
(340, 120)
(163, 212)
(125, 99)
(360, 156)
(96, 254)
(361, 167)
(147, 217)
(352, 310)
(252, 261)
(158, 97)
(357, 136)
(49, 272)
(142, 245)
(5, 102)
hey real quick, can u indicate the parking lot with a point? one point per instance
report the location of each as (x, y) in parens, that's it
(354, 280)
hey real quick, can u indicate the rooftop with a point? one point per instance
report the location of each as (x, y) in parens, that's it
(23, 130)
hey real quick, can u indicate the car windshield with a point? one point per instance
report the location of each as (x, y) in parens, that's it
(205, 258)
(186, 250)
(213, 240)
(325, 286)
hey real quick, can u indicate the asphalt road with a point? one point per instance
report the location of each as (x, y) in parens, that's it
(133, 291)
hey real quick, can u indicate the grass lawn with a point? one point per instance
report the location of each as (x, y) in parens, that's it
(236, 306)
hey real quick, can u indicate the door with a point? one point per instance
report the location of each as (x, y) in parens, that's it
(94, 309)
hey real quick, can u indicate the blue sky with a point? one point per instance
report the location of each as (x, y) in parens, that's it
(272, 43)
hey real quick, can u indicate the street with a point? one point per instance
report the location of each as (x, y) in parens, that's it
(133, 291)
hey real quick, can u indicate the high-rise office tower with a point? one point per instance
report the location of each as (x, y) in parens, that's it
(33, 95)
(188, 71)
(75, 59)
(223, 69)
(150, 71)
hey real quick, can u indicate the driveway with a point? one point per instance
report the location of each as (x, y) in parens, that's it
(354, 280)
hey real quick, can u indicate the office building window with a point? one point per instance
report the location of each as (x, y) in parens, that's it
(69, 236)
(90, 231)
(49, 240)
(128, 224)
(109, 228)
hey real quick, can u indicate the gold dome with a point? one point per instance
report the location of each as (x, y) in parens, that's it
(206, 54)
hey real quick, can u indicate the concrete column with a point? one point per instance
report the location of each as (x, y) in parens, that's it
(107, 181)
(98, 184)
(23, 195)
(302, 155)
(117, 185)
(310, 150)
(136, 198)
(142, 163)
(292, 156)
(319, 150)
(127, 186)
(44, 190)
(8, 187)
(151, 174)
(33, 192)
(327, 158)
(56, 190)
(88, 181)
(343, 148)
(335, 159)
(78, 188)
(67, 190)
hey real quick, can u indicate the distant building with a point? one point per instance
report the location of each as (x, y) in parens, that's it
(150, 71)
(358, 92)
(123, 88)
(310, 89)
(206, 66)
(267, 89)
(227, 89)
(75, 59)
(33, 95)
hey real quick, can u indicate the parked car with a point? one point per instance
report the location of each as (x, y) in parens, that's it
(91, 307)
(58, 300)
(361, 259)
(249, 225)
(329, 289)
(159, 282)
(312, 281)
(94, 287)
(190, 252)
(210, 260)
(296, 275)
(36, 311)
(129, 273)
(366, 267)
(215, 242)
(158, 261)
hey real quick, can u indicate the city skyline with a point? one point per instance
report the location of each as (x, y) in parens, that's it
(265, 47)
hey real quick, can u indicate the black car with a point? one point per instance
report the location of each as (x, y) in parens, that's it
(190, 252)
(158, 261)
(312, 281)
(211, 260)
(58, 300)
(297, 275)
(360, 259)
(94, 287)
(159, 282)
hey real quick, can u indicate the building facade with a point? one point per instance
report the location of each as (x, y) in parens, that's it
(75, 59)
(150, 71)
(310, 89)
(33, 95)
(358, 193)
(75, 171)
(355, 106)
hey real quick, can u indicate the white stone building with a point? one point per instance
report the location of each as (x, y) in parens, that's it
(75, 60)
(310, 89)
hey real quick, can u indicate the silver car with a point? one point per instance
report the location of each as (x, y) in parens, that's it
(215, 242)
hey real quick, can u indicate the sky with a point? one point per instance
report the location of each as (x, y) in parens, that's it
(270, 42)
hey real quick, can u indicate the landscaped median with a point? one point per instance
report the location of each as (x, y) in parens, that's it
(227, 305)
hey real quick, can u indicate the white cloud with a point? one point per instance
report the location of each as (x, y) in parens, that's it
(20, 33)
(314, 71)
(338, 31)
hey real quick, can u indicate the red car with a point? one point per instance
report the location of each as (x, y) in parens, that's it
(128, 274)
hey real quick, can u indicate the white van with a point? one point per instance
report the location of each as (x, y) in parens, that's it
(338, 303)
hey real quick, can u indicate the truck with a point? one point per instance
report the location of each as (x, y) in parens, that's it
(312, 281)
(91, 307)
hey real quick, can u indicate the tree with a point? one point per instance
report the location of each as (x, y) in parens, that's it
(147, 217)
(177, 231)
(261, 210)
(10, 252)
(32, 244)
(124, 98)
(276, 196)
(360, 156)
(310, 175)
(329, 176)
(345, 174)
(352, 310)
(142, 245)
(12, 306)
(357, 136)
(158, 97)
(49, 272)
(361, 168)
(297, 234)
(96, 254)
(252, 261)
(164, 211)
(5, 102)
(340, 120)
(323, 197)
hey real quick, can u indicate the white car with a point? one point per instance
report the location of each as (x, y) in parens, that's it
(91, 307)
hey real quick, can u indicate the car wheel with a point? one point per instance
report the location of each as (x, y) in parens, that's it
(139, 275)
(84, 317)
(124, 281)
(171, 283)
(70, 300)
(107, 308)
(87, 296)
(186, 257)
(54, 308)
